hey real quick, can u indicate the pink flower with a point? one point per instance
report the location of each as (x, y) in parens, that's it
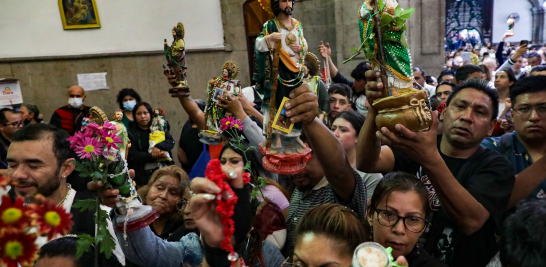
(110, 140)
(226, 123)
(75, 139)
(88, 147)
(237, 124)
(111, 154)
(102, 129)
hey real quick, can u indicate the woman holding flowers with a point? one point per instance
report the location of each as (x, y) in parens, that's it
(143, 162)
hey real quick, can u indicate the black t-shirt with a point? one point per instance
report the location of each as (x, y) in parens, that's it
(418, 257)
(189, 142)
(488, 178)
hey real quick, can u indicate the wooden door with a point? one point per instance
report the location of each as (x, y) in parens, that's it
(255, 17)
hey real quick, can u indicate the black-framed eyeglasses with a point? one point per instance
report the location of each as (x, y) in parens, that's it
(388, 218)
(525, 110)
(15, 124)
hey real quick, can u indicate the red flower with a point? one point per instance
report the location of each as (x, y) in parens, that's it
(14, 217)
(50, 219)
(17, 247)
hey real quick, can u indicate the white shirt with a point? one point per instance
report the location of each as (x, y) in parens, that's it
(261, 44)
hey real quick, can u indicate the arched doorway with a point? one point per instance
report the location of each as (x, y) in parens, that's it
(255, 17)
(468, 21)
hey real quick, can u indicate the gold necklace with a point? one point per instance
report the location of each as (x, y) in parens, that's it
(284, 26)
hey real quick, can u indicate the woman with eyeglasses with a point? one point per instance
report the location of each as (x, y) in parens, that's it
(397, 216)
(327, 235)
(165, 192)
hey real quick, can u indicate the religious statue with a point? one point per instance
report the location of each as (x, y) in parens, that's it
(157, 132)
(121, 131)
(279, 68)
(383, 22)
(312, 68)
(511, 22)
(176, 58)
(216, 89)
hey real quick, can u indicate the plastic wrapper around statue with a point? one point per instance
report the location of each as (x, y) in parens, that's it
(176, 58)
(134, 215)
(279, 68)
(217, 88)
(382, 32)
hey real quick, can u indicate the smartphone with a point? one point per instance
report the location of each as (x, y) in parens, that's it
(466, 58)
(524, 42)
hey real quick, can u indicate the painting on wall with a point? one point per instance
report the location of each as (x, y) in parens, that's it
(79, 14)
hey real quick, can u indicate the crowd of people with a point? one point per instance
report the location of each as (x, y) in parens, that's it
(470, 191)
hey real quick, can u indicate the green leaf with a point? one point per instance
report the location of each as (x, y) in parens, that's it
(408, 12)
(398, 11)
(381, 4)
(386, 19)
(403, 41)
(247, 165)
(103, 218)
(86, 204)
(83, 244)
(108, 245)
(97, 175)
(400, 22)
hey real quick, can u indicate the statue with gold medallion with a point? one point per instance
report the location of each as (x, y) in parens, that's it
(279, 68)
(223, 86)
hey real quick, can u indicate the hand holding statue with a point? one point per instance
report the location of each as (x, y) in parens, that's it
(374, 88)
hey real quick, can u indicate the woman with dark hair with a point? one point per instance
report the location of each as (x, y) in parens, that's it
(328, 235)
(346, 128)
(30, 114)
(140, 159)
(398, 215)
(504, 79)
(127, 99)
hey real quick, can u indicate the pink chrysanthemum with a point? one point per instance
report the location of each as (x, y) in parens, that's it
(226, 123)
(237, 124)
(102, 129)
(88, 147)
(76, 139)
(111, 154)
(110, 140)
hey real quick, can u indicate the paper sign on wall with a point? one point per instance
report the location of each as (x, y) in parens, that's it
(92, 81)
(10, 92)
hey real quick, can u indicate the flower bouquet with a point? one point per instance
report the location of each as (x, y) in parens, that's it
(100, 159)
(20, 226)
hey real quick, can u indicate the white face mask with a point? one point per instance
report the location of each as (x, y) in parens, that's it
(75, 102)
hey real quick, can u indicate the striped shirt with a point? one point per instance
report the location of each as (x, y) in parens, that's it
(322, 193)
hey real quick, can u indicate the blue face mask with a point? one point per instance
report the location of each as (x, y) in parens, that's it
(129, 105)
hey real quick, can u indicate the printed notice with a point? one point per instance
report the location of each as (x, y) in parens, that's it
(92, 81)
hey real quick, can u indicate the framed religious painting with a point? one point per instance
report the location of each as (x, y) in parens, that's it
(79, 14)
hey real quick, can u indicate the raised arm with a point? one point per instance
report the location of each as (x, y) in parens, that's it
(303, 107)
(194, 112)
(371, 157)
(326, 52)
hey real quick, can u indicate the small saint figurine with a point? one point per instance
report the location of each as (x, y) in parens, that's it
(157, 132)
(312, 68)
(383, 36)
(217, 88)
(121, 131)
(279, 68)
(511, 22)
(176, 58)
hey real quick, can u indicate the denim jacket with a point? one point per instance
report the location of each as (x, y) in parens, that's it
(146, 249)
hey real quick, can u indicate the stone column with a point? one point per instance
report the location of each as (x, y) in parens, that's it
(538, 24)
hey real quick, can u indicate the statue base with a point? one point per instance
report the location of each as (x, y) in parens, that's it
(408, 109)
(139, 218)
(180, 90)
(286, 160)
(210, 138)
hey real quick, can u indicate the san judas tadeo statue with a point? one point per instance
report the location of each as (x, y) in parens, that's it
(383, 36)
(279, 68)
(176, 58)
